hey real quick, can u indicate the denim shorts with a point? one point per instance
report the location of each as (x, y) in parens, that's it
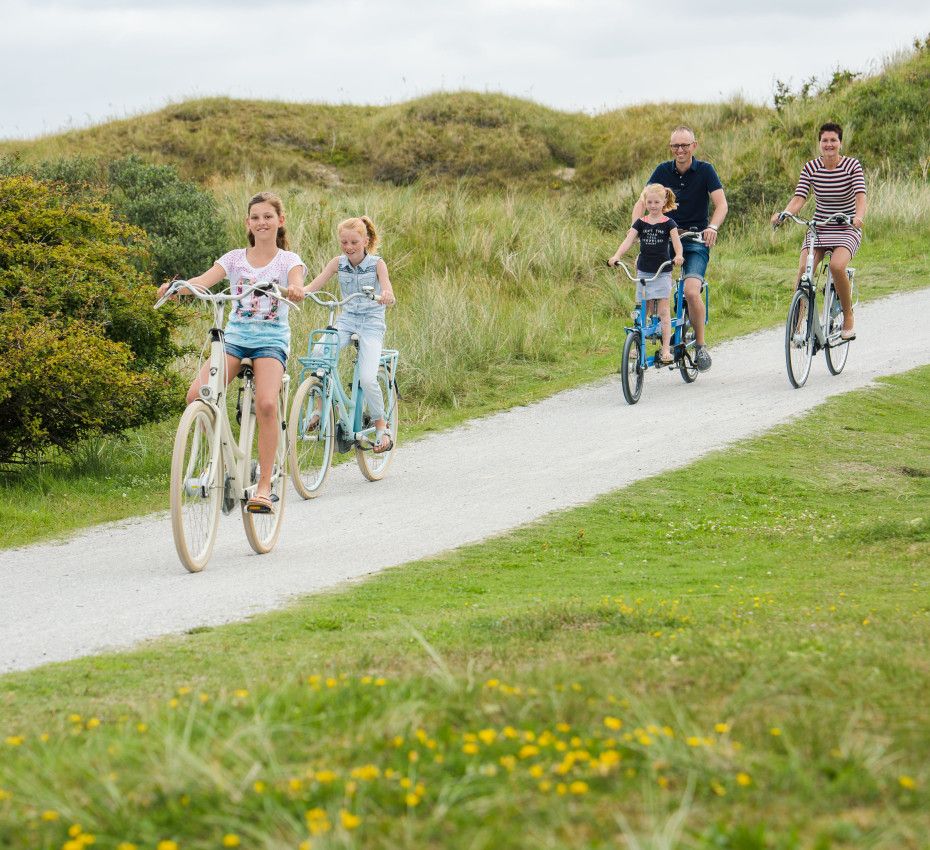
(257, 352)
(696, 257)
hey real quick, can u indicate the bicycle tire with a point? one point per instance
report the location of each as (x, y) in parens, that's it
(632, 373)
(263, 529)
(799, 338)
(836, 353)
(688, 373)
(375, 466)
(311, 454)
(196, 488)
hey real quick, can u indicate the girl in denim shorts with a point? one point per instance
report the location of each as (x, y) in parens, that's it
(357, 268)
(258, 323)
(654, 231)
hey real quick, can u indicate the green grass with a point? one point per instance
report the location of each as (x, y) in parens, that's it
(731, 655)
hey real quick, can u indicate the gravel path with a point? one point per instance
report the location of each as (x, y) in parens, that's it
(119, 584)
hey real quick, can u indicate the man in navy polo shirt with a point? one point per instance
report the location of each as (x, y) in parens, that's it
(694, 183)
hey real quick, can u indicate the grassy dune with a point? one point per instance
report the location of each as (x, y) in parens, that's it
(728, 656)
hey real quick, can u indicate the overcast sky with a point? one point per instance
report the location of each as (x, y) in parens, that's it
(70, 63)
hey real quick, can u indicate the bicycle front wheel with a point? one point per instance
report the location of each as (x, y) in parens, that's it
(631, 371)
(689, 371)
(196, 486)
(311, 438)
(374, 466)
(263, 529)
(799, 338)
(836, 354)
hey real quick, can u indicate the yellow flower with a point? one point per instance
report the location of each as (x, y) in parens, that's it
(613, 723)
(93, 723)
(75, 830)
(295, 784)
(717, 788)
(536, 771)
(349, 821)
(545, 786)
(174, 702)
(240, 693)
(167, 845)
(74, 718)
(413, 755)
(487, 736)
(509, 762)
(528, 751)
(305, 845)
(204, 697)
(258, 786)
(183, 691)
(563, 727)
(126, 845)
(775, 731)
(578, 787)
(231, 840)
(380, 682)
(73, 844)
(5, 795)
(693, 741)
(907, 782)
(15, 740)
(142, 728)
(50, 815)
(721, 728)
(743, 779)
(470, 749)
(412, 800)
(366, 772)
(492, 683)
(325, 776)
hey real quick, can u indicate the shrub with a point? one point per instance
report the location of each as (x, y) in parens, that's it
(82, 352)
(183, 223)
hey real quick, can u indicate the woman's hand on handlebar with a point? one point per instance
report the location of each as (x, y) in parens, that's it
(679, 259)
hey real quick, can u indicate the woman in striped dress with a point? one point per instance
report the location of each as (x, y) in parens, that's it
(839, 187)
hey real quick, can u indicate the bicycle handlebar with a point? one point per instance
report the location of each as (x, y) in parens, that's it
(836, 218)
(263, 286)
(622, 265)
(369, 292)
(692, 235)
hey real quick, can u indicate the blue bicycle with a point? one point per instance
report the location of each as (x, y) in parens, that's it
(325, 418)
(635, 362)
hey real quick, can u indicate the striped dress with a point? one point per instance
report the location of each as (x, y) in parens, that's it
(835, 190)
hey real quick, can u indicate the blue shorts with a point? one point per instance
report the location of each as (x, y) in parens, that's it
(696, 257)
(257, 352)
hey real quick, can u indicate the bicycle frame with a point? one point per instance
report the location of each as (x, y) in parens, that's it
(236, 453)
(322, 360)
(820, 324)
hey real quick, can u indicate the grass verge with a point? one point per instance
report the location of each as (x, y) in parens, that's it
(731, 655)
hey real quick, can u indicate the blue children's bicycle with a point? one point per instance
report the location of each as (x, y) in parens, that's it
(635, 361)
(323, 417)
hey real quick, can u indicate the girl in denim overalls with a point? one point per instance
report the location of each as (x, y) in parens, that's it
(357, 268)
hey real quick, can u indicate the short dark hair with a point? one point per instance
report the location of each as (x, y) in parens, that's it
(830, 127)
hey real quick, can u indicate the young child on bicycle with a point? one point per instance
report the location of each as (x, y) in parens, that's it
(357, 268)
(258, 324)
(655, 231)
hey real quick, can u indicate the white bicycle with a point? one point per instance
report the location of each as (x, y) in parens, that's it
(211, 470)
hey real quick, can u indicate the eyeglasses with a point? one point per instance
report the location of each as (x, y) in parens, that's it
(682, 147)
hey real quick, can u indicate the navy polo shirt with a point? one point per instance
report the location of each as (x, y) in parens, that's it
(692, 191)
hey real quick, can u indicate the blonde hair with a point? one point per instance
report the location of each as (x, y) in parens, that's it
(670, 203)
(275, 201)
(362, 225)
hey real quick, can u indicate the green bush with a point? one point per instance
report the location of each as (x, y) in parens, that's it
(185, 231)
(82, 352)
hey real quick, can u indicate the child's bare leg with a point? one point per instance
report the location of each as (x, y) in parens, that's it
(232, 369)
(665, 319)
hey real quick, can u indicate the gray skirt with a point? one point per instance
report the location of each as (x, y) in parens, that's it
(661, 287)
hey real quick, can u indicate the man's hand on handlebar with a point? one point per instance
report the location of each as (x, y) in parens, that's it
(679, 259)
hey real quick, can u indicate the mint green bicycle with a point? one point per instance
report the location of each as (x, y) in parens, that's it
(325, 418)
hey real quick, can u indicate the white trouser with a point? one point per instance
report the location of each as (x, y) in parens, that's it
(370, 330)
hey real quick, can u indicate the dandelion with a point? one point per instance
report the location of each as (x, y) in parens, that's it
(93, 723)
(324, 777)
(174, 702)
(717, 788)
(412, 799)
(721, 728)
(305, 845)
(231, 840)
(528, 751)
(258, 786)
(487, 736)
(240, 693)
(413, 756)
(380, 682)
(15, 740)
(578, 787)
(167, 845)
(295, 784)
(349, 820)
(73, 844)
(613, 723)
(366, 772)
(75, 830)
(536, 771)
(204, 698)
(142, 728)
(50, 815)
(743, 779)
(470, 749)
(693, 741)
(561, 789)
(492, 683)
(74, 718)
(5, 795)
(183, 691)
(126, 845)
(545, 786)
(774, 731)
(907, 782)
(508, 762)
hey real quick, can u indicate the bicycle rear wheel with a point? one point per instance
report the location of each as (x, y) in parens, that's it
(374, 466)
(631, 372)
(689, 371)
(311, 444)
(196, 486)
(799, 338)
(263, 529)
